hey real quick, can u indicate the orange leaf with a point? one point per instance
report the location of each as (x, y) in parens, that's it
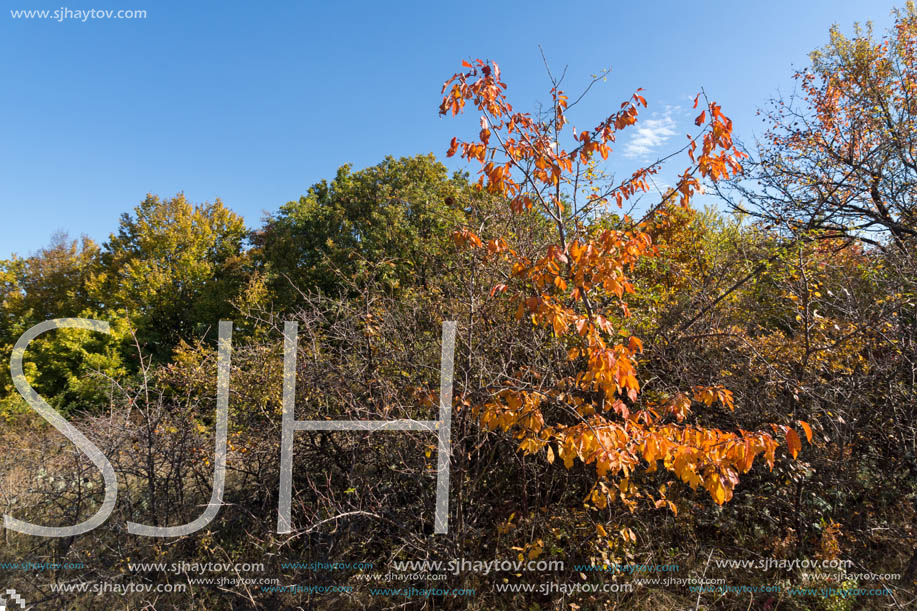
(497, 289)
(807, 429)
(793, 443)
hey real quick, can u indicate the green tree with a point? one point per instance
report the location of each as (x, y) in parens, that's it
(391, 221)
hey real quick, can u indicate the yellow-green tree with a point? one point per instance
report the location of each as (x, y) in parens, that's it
(173, 267)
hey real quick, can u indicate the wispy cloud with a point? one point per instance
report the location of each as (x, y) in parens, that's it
(651, 134)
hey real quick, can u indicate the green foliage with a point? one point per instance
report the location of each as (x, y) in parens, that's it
(73, 369)
(390, 222)
(68, 366)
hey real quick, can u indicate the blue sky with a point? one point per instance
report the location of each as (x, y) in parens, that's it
(253, 102)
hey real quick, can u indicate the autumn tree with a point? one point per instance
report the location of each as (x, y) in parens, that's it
(577, 287)
(173, 266)
(52, 282)
(836, 175)
(839, 156)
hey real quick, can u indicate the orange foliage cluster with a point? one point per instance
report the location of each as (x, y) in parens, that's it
(570, 287)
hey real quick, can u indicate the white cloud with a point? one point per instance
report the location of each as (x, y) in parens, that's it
(650, 134)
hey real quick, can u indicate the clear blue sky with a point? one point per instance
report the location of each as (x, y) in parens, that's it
(253, 102)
